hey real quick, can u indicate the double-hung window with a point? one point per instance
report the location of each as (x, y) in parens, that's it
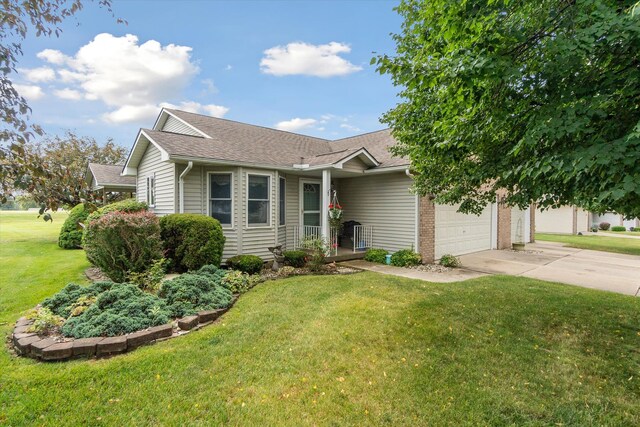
(258, 200)
(281, 201)
(220, 198)
(151, 190)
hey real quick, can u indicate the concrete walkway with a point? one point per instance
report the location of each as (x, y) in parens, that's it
(455, 275)
(556, 263)
(546, 261)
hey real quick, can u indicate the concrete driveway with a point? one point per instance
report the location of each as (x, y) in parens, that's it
(553, 262)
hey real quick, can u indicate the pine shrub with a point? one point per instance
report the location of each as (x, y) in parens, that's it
(120, 243)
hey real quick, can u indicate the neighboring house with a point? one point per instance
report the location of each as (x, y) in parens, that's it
(269, 187)
(574, 220)
(109, 179)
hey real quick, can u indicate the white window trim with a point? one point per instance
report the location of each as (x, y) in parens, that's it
(151, 190)
(282, 216)
(233, 199)
(246, 201)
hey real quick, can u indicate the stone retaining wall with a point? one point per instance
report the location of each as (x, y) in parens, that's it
(56, 349)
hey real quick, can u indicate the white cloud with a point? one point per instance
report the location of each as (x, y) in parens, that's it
(52, 56)
(37, 75)
(307, 59)
(296, 124)
(67, 93)
(132, 113)
(209, 86)
(196, 107)
(350, 128)
(229, 67)
(30, 92)
(133, 79)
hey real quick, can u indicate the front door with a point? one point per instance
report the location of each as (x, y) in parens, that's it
(311, 200)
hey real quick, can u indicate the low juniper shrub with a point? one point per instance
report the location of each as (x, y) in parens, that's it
(122, 309)
(618, 228)
(250, 264)
(63, 302)
(376, 255)
(189, 293)
(296, 259)
(405, 258)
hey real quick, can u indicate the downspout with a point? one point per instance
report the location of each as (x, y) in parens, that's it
(181, 185)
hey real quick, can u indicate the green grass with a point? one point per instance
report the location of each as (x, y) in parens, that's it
(595, 243)
(626, 233)
(364, 349)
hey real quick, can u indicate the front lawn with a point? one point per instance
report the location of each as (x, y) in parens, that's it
(619, 245)
(364, 349)
(626, 233)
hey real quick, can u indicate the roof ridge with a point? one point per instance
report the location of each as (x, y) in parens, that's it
(362, 134)
(249, 124)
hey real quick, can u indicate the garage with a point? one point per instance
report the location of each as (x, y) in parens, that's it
(558, 220)
(458, 233)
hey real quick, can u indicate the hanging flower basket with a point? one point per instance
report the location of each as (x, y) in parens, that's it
(335, 215)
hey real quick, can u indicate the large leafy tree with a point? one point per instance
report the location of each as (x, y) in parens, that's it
(65, 161)
(18, 18)
(536, 98)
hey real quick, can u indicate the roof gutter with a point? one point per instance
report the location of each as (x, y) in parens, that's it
(181, 184)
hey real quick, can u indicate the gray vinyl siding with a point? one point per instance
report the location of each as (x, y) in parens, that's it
(176, 126)
(354, 165)
(193, 194)
(385, 202)
(292, 207)
(151, 163)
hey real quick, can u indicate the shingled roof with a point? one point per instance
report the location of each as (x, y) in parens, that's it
(231, 141)
(109, 176)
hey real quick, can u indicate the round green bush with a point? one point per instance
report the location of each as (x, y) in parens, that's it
(604, 226)
(191, 241)
(618, 228)
(71, 233)
(376, 255)
(448, 260)
(296, 259)
(249, 264)
(120, 243)
(122, 309)
(405, 258)
(189, 293)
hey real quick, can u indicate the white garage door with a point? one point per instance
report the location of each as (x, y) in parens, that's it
(459, 234)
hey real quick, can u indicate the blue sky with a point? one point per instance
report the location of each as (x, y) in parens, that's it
(297, 65)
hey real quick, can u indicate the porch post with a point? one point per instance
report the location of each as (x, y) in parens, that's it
(324, 208)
